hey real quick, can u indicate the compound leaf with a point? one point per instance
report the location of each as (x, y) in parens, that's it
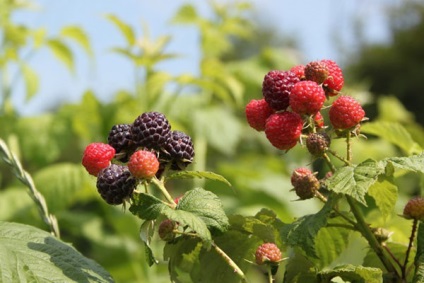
(28, 254)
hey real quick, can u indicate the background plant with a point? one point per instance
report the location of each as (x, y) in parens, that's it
(259, 172)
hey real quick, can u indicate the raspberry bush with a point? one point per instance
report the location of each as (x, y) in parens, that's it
(317, 115)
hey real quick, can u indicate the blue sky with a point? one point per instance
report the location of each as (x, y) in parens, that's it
(315, 24)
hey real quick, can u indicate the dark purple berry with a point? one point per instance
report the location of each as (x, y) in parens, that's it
(178, 151)
(120, 139)
(115, 184)
(151, 130)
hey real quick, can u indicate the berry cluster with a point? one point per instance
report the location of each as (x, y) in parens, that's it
(136, 152)
(291, 111)
(293, 100)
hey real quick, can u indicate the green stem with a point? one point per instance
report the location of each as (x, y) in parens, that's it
(328, 161)
(348, 148)
(366, 232)
(230, 262)
(26, 179)
(408, 251)
(270, 279)
(324, 200)
(164, 191)
(335, 154)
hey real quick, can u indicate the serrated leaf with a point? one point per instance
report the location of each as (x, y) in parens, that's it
(149, 207)
(182, 255)
(419, 257)
(414, 163)
(353, 274)
(330, 242)
(125, 29)
(146, 233)
(300, 269)
(28, 254)
(207, 206)
(385, 194)
(355, 180)
(62, 52)
(394, 133)
(79, 36)
(198, 174)
(302, 232)
(31, 81)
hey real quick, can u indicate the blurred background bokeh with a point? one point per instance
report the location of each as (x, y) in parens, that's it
(70, 70)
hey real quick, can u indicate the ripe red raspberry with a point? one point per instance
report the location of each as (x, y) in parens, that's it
(334, 82)
(143, 164)
(307, 98)
(283, 129)
(319, 120)
(305, 183)
(299, 70)
(316, 71)
(96, 157)
(414, 209)
(267, 253)
(257, 111)
(276, 88)
(345, 113)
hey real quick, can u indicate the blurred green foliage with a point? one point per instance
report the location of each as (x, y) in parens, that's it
(209, 106)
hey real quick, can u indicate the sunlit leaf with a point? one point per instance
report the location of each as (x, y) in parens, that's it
(125, 29)
(385, 194)
(28, 254)
(394, 133)
(186, 14)
(62, 52)
(207, 206)
(31, 81)
(355, 180)
(354, 274)
(79, 36)
(198, 174)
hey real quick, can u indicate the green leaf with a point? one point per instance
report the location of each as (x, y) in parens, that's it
(182, 255)
(31, 80)
(147, 207)
(419, 257)
(124, 28)
(385, 194)
(302, 232)
(355, 180)
(207, 206)
(79, 36)
(150, 208)
(353, 274)
(198, 174)
(224, 133)
(330, 242)
(62, 52)
(299, 269)
(414, 163)
(146, 233)
(186, 14)
(61, 184)
(394, 133)
(28, 254)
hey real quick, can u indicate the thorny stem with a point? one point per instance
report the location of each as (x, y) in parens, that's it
(366, 232)
(408, 251)
(348, 148)
(392, 255)
(335, 154)
(327, 159)
(164, 191)
(230, 262)
(26, 179)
